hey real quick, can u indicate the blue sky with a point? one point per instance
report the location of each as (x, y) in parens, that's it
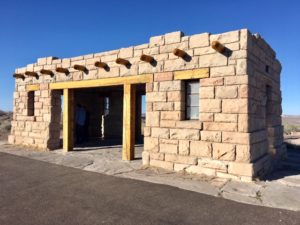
(32, 29)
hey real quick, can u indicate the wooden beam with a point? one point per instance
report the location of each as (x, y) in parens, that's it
(218, 46)
(62, 70)
(191, 74)
(147, 58)
(80, 68)
(47, 72)
(129, 101)
(32, 87)
(138, 79)
(102, 65)
(19, 76)
(179, 53)
(68, 117)
(31, 74)
(123, 62)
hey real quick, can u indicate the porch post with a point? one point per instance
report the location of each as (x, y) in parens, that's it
(68, 120)
(128, 121)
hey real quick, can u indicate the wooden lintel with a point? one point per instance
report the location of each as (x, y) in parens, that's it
(129, 101)
(32, 87)
(138, 79)
(191, 74)
(68, 116)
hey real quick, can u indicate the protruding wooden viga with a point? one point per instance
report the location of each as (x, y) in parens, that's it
(180, 53)
(147, 58)
(218, 46)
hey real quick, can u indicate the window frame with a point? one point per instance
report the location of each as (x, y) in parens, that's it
(188, 116)
(30, 103)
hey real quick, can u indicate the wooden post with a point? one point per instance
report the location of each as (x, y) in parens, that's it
(68, 120)
(128, 121)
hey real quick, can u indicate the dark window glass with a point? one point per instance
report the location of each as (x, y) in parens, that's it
(30, 103)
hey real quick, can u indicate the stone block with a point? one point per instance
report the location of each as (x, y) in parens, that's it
(199, 40)
(236, 138)
(157, 41)
(200, 170)
(42, 61)
(226, 92)
(160, 132)
(241, 67)
(218, 126)
(184, 134)
(165, 76)
(175, 96)
(189, 124)
(181, 159)
(212, 60)
(223, 151)
(170, 115)
(173, 37)
(211, 136)
(162, 164)
(152, 119)
(223, 117)
(224, 38)
(222, 71)
(126, 52)
(168, 148)
(243, 123)
(206, 117)
(184, 147)
(156, 96)
(168, 123)
(234, 106)
(213, 164)
(157, 156)
(151, 144)
(170, 85)
(241, 169)
(207, 92)
(243, 153)
(163, 106)
(216, 81)
(180, 167)
(200, 149)
(239, 79)
(211, 105)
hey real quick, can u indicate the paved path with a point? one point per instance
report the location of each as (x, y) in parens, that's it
(35, 192)
(278, 191)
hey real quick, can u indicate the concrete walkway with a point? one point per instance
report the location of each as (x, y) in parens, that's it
(280, 191)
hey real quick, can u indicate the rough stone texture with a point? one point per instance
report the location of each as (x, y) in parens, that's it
(239, 103)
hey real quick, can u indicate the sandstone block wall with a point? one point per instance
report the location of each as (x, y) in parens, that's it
(238, 134)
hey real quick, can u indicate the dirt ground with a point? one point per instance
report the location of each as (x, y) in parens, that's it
(5, 119)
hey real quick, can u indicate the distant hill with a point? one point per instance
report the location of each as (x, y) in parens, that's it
(5, 124)
(291, 123)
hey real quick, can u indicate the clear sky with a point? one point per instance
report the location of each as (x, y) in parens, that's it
(33, 29)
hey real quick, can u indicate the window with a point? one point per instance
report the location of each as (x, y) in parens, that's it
(192, 100)
(106, 106)
(30, 103)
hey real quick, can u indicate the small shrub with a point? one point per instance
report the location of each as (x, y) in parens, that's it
(289, 128)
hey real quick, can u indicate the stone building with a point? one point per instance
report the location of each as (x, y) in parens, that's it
(213, 102)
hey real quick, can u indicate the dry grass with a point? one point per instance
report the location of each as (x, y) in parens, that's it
(5, 124)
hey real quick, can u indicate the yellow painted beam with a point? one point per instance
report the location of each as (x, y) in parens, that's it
(138, 79)
(129, 107)
(32, 87)
(68, 117)
(191, 74)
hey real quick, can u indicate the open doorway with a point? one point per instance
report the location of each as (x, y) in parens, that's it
(103, 121)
